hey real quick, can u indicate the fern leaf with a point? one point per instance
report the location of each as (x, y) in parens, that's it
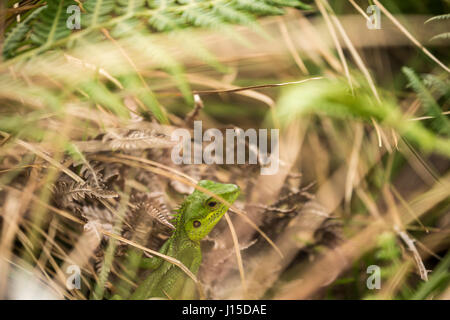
(158, 215)
(92, 172)
(258, 7)
(290, 3)
(97, 12)
(231, 14)
(433, 82)
(439, 17)
(75, 191)
(442, 36)
(200, 17)
(50, 25)
(16, 37)
(129, 6)
(440, 123)
(136, 139)
(165, 21)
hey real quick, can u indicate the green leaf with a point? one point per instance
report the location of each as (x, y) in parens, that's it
(50, 24)
(440, 123)
(16, 37)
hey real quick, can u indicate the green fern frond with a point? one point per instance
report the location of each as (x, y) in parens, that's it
(126, 28)
(126, 20)
(129, 6)
(48, 27)
(16, 37)
(258, 7)
(291, 3)
(440, 17)
(97, 12)
(442, 36)
(50, 24)
(165, 21)
(200, 17)
(433, 82)
(439, 123)
(232, 15)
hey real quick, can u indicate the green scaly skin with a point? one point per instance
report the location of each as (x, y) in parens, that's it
(196, 217)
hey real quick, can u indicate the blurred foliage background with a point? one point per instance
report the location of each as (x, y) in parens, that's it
(86, 113)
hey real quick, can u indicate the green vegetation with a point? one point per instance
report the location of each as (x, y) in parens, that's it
(86, 176)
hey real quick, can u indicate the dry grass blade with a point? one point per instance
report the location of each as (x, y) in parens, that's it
(87, 119)
(410, 36)
(49, 159)
(238, 254)
(163, 256)
(411, 246)
(353, 248)
(176, 175)
(290, 45)
(336, 42)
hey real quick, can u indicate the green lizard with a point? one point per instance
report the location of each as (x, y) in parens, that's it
(197, 216)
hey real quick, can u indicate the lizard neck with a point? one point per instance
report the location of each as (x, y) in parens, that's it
(180, 238)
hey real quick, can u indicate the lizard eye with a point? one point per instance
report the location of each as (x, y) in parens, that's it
(197, 224)
(212, 203)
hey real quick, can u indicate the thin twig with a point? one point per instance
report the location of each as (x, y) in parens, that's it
(412, 247)
(410, 36)
(255, 86)
(237, 250)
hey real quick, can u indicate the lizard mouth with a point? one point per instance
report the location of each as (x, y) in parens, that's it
(200, 227)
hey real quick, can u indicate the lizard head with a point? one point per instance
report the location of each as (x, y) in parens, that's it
(202, 212)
